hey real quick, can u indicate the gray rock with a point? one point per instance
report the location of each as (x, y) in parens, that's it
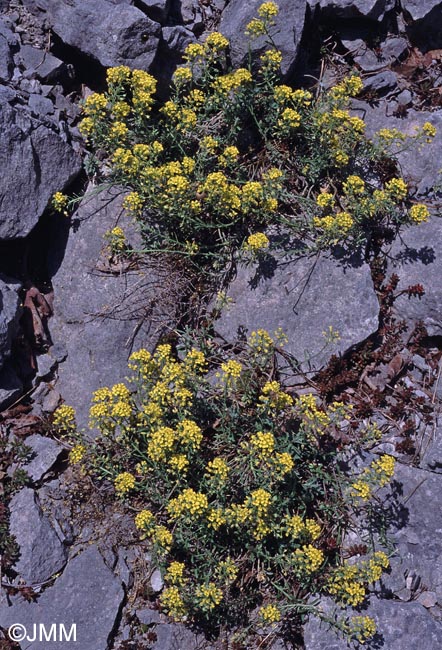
(381, 83)
(10, 313)
(177, 38)
(304, 297)
(390, 51)
(46, 453)
(420, 165)
(400, 626)
(35, 163)
(11, 386)
(416, 528)
(416, 257)
(111, 34)
(8, 45)
(42, 553)
(427, 599)
(157, 10)
(148, 616)
(45, 364)
(40, 105)
(175, 637)
(40, 64)
(373, 9)
(87, 595)
(426, 22)
(100, 316)
(156, 581)
(288, 30)
(431, 452)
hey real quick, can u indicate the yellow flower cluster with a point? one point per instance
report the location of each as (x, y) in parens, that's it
(144, 521)
(308, 559)
(124, 482)
(133, 202)
(260, 342)
(258, 241)
(172, 601)
(429, 130)
(325, 200)
(271, 60)
(188, 504)
(175, 573)
(218, 468)
(397, 189)
(296, 527)
(361, 628)
(315, 418)
(383, 469)
(116, 239)
(232, 372)
(229, 83)
(77, 453)
(227, 570)
(272, 397)
(60, 203)
(346, 586)
(290, 119)
(263, 443)
(269, 614)
(354, 185)
(419, 213)
(64, 418)
(208, 596)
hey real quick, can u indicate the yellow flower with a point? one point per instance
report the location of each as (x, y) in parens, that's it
(429, 130)
(232, 370)
(255, 28)
(118, 75)
(208, 596)
(344, 221)
(182, 76)
(271, 60)
(308, 559)
(162, 537)
(215, 518)
(268, 10)
(290, 119)
(397, 189)
(175, 573)
(325, 200)
(218, 468)
(229, 156)
(419, 213)
(361, 628)
(144, 521)
(216, 42)
(77, 453)
(269, 614)
(194, 51)
(353, 185)
(121, 110)
(258, 241)
(133, 203)
(188, 503)
(179, 464)
(124, 483)
(64, 418)
(60, 203)
(263, 443)
(173, 603)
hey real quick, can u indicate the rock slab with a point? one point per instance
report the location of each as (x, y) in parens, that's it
(304, 297)
(42, 553)
(86, 595)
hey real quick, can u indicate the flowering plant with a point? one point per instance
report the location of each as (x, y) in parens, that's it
(232, 152)
(236, 484)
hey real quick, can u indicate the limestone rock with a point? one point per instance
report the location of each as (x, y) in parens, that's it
(372, 9)
(42, 553)
(400, 626)
(10, 313)
(46, 453)
(8, 45)
(87, 594)
(288, 30)
(35, 162)
(112, 34)
(304, 297)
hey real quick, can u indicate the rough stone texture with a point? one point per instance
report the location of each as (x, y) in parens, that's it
(401, 626)
(288, 30)
(373, 9)
(157, 10)
(304, 297)
(86, 594)
(415, 529)
(419, 165)
(11, 386)
(175, 637)
(426, 22)
(46, 453)
(8, 45)
(42, 553)
(10, 313)
(369, 61)
(381, 83)
(416, 257)
(111, 34)
(40, 64)
(35, 163)
(431, 453)
(100, 316)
